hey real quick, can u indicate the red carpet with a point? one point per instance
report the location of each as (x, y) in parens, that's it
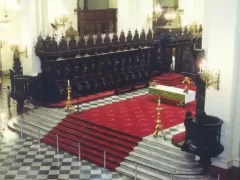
(116, 128)
(178, 139)
(83, 99)
(169, 79)
(135, 116)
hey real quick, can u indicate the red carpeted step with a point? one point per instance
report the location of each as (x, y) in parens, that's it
(97, 141)
(169, 79)
(178, 138)
(87, 156)
(87, 147)
(73, 118)
(95, 134)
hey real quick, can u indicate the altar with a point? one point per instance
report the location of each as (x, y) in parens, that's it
(169, 92)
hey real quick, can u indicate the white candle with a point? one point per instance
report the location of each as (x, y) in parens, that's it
(68, 83)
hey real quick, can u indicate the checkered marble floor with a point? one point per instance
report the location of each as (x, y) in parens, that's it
(25, 159)
(111, 99)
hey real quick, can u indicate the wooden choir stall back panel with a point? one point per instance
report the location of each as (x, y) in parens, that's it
(97, 21)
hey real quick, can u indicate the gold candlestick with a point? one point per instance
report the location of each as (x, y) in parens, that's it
(159, 126)
(186, 81)
(68, 101)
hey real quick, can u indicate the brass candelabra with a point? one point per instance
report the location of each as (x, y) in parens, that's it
(186, 81)
(159, 126)
(68, 102)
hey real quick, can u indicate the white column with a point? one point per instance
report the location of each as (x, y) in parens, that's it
(113, 3)
(123, 16)
(193, 11)
(134, 14)
(221, 40)
(30, 28)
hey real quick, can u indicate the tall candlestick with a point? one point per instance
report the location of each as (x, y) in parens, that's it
(159, 101)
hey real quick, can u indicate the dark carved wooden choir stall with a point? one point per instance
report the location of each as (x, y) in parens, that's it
(97, 21)
(95, 64)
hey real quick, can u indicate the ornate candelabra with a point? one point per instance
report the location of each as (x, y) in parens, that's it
(159, 126)
(186, 81)
(68, 101)
(18, 52)
(211, 78)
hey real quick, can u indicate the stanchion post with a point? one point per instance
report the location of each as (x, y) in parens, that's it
(135, 175)
(218, 176)
(79, 151)
(171, 176)
(38, 135)
(21, 133)
(104, 159)
(57, 144)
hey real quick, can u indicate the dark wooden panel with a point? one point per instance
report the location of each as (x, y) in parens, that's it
(97, 21)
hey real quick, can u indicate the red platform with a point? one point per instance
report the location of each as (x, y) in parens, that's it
(114, 128)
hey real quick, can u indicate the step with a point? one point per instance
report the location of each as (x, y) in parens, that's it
(96, 134)
(54, 110)
(101, 129)
(51, 115)
(165, 169)
(92, 145)
(173, 168)
(95, 152)
(191, 177)
(29, 130)
(37, 119)
(166, 158)
(147, 172)
(160, 143)
(167, 151)
(43, 118)
(131, 174)
(96, 160)
(36, 123)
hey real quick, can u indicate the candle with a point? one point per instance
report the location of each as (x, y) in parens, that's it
(68, 83)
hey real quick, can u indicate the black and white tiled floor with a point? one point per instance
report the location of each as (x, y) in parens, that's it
(22, 159)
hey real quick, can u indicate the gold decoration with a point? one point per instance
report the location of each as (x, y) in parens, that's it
(186, 81)
(211, 78)
(68, 102)
(153, 83)
(17, 52)
(71, 32)
(159, 126)
(60, 21)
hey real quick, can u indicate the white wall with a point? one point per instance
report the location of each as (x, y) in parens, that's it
(12, 34)
(98, 4)
(193, 11)
(113, 4)
(133, 14)
(167, 2)
(221, 18)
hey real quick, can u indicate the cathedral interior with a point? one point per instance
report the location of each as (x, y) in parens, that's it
(119, 89)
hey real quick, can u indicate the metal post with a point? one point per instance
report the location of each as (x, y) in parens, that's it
(135, 175)
(104, 159)
(218, 176)
(171, 176)
(21, 128)
(57, 144)
(79, 151)
(38, 136)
